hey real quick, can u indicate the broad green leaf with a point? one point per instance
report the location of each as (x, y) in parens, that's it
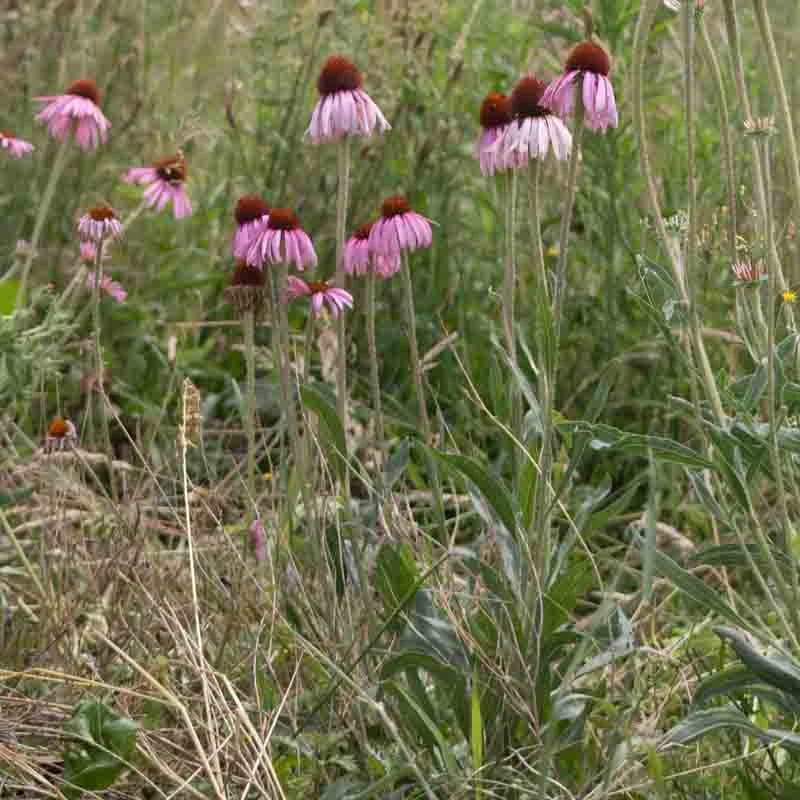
(396, 574)
(8, 295)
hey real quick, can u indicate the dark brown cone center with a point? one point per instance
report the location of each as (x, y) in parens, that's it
(526, 97)
(495, 110)
(339, 74)
(589, 57)
(362, 232)
(58, 428)
(318, 287)
(249, 208)
(245, 275)
(171, 169)
(283, 219)
(86, 88)
(395, 205)
(100, 213)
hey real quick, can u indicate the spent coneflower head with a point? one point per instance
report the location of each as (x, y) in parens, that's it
(282, 241)
(246, 290)
(322, 294)
(360, 260)
(76, 112)
(535, 129)
(495, 117)
(251, 214)
(61, 435)
(587, 69)
(343, 108)
(399, 228)
(749, 271)
(107, 285)
(99, 223)
(15, 147)
(165, 180)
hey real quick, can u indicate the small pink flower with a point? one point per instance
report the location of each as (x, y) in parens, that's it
(251, 215)
(344, 108)
(321, 294)
(165, 181)
(111, 287)
(17, 148)
(535, 129)
(77, 112)
(359, 259)
(88, 251)
(749, 271)
(61, 435)
(588, 66)
(399, 228)
(99, 223)
(495, 119)
(282, 241)
(258, 539)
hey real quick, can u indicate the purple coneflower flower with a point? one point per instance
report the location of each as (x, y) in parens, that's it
(535, 129)
(258, 538)
(99, 223)
(165, 181)
(111, 287)
(282, 241)
(17, 148)
(76, 112)
(61, 435)
(588, 66)
(399, 228)
(321, 294)
(749, 271)
(359, 259)
(344, 108)
(495, 119)
(88, 251)
(251, 216)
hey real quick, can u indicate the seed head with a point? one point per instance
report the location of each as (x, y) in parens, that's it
(362, 232)
(249, 208)
(283, 219)
(102, 212)
(526, 96)
(495, 110)
(58, 428)
(85, 87)
(395, 205)
(246, 275)
(589, 57)
(338, 74)
(171, 169)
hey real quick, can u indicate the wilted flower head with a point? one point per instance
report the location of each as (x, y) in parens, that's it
(111, 287)
(251, 214)
(76, 112)
(165, 181)
(587, 67)
(399, 228)
(321, 293)
(246, 290)
(344, 108)
(535, 129)
(61, 435)
(495, 118)
(282, 241)
(359, 259)
(99, 223)
(749, 271)
(17, 148)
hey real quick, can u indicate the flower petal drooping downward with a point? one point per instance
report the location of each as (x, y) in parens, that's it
(344, 108)
(99, 223)
(399, 228)
(76, 113)
(16, 148)
(495, 118)
(749, 271)
(282, 241)
(587, 71)
(108, 285)
(360, 260)
(322, 294)
(251, 215)
(165, 181)
(258, 540)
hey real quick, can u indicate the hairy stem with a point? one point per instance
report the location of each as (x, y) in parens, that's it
(509, 303)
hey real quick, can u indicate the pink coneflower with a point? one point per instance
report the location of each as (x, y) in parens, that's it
(17, 148)
(749, 271)
(61, 435)
(258, 539)
(99, 223)
(344, 108)
(588, 66)
(495, 119)
(535, 129)
(282, 241)
(251, 215)
(111, 287)
(76, 112)
(165, 181)
(321, 294)
(399, 228)
(359, 259)
(88, 252)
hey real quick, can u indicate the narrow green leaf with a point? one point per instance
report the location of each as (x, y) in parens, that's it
(476, 737)
(315, 401)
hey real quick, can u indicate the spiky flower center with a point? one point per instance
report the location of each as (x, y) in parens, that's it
(283, 219)
(171, 169)
(362, 232)
(395, 205)
(526, 97)
(58, 428)
(318, 287)
(102, 213)
(339, 74)
(6, 135)
(495, 110)
(245, 275)
(589, 57)
(86, 88)
(249, 208)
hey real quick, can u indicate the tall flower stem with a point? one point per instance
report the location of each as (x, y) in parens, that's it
(248, 333)
(277, 357)
(416, 364)
(375, 376)
(341, 330)
(285, 356)
(41, 217)
(509, 303)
